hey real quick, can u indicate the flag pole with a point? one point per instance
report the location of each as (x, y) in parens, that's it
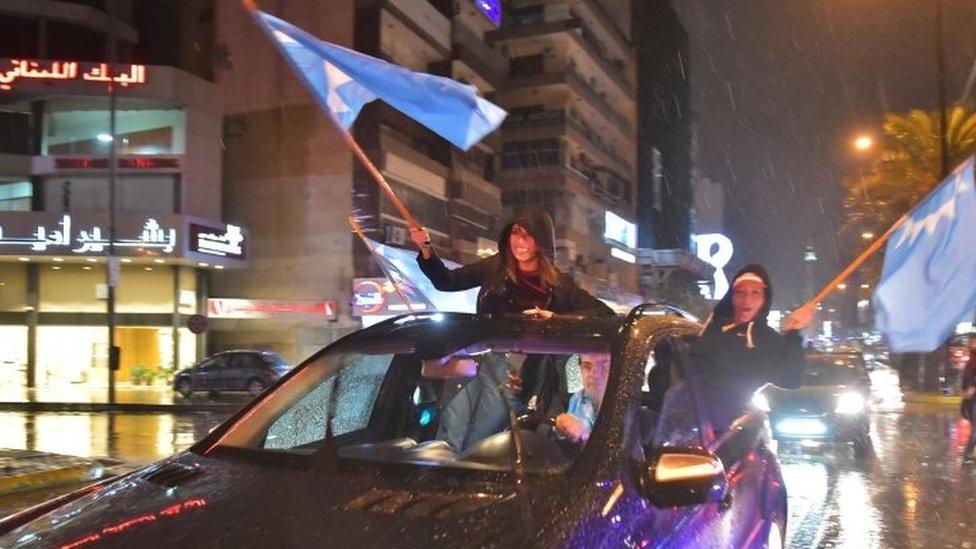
(359, 232)
(361, 155)
(377, 176)
(858, 261)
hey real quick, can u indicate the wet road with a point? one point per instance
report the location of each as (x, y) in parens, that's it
(913, 493)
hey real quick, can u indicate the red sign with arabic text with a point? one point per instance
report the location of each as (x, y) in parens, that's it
(17, 72)
(259, 308)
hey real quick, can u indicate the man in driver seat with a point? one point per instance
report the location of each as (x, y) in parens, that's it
(577, 423)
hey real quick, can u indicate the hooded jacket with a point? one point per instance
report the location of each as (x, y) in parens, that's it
(497, 294)
(733, 360)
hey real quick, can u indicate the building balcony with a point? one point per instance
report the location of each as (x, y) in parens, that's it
(424, 20)
(582, 36)
(472, 51)
(570, 78)
(563, 124)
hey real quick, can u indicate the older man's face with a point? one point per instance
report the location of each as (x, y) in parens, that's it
(595, 369)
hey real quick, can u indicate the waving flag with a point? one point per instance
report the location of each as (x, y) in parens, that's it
(928, 284)
(402, 266)
(343, 80)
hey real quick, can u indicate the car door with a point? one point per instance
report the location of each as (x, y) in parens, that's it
(682, 421)
(205, 374)
(233, 371)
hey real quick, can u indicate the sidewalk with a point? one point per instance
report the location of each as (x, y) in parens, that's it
(932, 398)
(24, 470)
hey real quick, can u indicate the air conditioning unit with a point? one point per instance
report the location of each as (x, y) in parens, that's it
(395, 235)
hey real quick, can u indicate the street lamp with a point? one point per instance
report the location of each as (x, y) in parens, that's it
(842, 286)
(867, 235)
(863, 143)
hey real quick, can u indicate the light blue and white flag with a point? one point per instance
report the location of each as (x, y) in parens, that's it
(928, 284)
(343, 80)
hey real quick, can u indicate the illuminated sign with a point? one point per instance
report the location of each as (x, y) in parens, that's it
(620, 230)
(716, 250)
(13, 71)
(127, 163)
(622, 255)
(259, 308)
(377, 296)
(226, 242)
(492, 9)
(90, 239)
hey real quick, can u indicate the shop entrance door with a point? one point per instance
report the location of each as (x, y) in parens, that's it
(140, 350)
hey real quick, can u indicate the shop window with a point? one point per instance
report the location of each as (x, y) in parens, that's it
(135, 193)
(139, 132)
(15, 196)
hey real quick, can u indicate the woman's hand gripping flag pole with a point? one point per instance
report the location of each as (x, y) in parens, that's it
(359, 232)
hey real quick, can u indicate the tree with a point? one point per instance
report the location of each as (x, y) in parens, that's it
(905, 171)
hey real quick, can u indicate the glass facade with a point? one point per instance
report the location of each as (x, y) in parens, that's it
(81, 127)
(15, 196)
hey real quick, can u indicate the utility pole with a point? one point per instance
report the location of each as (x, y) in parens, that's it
(940, 66)
(111, 263)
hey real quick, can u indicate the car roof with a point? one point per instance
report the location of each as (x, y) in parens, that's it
(455, 330)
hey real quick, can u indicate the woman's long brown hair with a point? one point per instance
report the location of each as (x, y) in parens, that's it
(547, 268)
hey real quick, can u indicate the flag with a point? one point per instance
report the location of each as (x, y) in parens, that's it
(928, 283)
(343, 80)
(402, 266)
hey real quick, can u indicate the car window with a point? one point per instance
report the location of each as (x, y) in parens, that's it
(451, 410)
(213, 363)
(305, 422)
(245, 361)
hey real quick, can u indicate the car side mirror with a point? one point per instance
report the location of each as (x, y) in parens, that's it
(677, 477)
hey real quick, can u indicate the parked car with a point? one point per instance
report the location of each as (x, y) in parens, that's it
(345, 451)
(831, 406)
(251, 371)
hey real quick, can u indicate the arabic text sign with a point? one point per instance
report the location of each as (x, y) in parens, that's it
(14, 72)
(258, 308)
(226, 242)
(63, 237)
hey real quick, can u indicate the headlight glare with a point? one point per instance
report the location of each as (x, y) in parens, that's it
(850, 403)
(760, 402)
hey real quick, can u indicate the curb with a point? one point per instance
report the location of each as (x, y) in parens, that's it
(106, 407)
(44, 479)
(23, 470)
(932, 398)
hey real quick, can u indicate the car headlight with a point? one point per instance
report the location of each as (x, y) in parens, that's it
(760, 402)
(850, 403)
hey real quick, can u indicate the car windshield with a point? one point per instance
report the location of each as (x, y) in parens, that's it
(830, 371)
(451, 405)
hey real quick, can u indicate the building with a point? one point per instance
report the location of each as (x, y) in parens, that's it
(570, 142)
(56, 72)
(291, 178)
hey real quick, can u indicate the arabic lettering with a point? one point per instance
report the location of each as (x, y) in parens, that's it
(91, 240)
(20, 69)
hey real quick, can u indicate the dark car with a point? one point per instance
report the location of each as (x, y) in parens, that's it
(251, 371)
(347, 450)
(830, 407)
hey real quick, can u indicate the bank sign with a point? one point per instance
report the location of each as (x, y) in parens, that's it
(80, 235)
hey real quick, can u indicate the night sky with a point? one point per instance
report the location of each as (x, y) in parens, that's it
(779, 89)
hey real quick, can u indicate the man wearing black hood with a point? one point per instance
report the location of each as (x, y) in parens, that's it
(520, 278)
(737, 352)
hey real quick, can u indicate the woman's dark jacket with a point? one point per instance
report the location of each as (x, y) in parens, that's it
(498, 293)
(733, 360)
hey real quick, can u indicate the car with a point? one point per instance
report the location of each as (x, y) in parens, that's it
(345, 451)
(239, 370)
(831, 405)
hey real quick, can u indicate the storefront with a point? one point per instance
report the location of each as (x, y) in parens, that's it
(54, 289)
(56, 179)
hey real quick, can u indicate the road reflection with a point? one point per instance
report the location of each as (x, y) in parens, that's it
(914, 492)
(136, 439)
